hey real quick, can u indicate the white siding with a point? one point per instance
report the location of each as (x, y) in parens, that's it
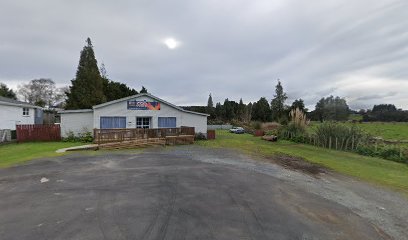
(76, 123)
(12, 115)
(120, 110)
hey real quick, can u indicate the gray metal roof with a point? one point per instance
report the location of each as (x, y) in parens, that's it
(12, 102)
(76, 111)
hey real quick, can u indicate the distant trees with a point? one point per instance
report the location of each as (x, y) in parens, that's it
(41, 92)
(278, 103)
(7, 92)
(261, 111)
(331, 108)
(298, 104)
(385, 113)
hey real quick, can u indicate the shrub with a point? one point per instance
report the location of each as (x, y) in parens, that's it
(85, 137)
(339, 136)
(270, 126)
(257, 125)
(200, 136)
(392, 153)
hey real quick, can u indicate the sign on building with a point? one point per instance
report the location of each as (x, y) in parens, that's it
(142, 105)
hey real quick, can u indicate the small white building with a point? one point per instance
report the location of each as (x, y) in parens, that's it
(139, 111)
(13, 112)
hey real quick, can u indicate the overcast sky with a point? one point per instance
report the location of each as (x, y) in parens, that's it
(230, 48)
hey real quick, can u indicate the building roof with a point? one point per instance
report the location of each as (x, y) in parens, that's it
(76, 111)
(12, 102)
(147, 95)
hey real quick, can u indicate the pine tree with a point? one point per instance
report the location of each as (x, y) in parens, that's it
(144, 90)
(210, 107)
(87, 87)
(278, 103)
(241, 110)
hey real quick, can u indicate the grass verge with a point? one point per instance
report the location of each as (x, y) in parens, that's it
(375, 170)
(16, 153)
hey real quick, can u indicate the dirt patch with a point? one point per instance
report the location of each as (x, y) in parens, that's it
(297, 163)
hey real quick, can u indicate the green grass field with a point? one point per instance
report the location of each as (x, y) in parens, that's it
(375, 170)
(16, 153)
(388, 131)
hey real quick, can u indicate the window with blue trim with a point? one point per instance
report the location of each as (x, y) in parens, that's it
(167, 122)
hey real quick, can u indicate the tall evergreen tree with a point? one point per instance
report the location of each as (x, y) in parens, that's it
(7, 92)
(210, 103)
(241, 110)
(210, 107)
(87, 87)
(143, 90)
(278, 103)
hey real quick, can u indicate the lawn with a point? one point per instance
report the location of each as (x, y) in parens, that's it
(375, 170)
(389, 131)
(386, 130)
(16, 153)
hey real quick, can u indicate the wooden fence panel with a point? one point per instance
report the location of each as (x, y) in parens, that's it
(38, 132)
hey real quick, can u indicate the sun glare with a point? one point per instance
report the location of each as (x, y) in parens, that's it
(171, 43)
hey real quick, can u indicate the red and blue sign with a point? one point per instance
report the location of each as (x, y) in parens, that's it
(142, 105)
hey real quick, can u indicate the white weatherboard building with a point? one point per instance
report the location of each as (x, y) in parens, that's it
(139, 111)
(13, 112)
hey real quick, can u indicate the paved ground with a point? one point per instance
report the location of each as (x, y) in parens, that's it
(188, 192)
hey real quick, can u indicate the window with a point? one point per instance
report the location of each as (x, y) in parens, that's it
(113, 122)
(143, 122)
(167, 122)
(26, 111)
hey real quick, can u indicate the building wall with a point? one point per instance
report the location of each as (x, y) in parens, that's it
(120, 110)
(12, 115)
(76, 123)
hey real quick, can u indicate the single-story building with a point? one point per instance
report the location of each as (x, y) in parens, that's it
(14, 112)
(139, 111)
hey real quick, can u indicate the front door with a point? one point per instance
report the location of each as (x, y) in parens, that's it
(143, 122)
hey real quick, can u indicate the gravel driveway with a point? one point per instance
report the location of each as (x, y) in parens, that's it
(189, 192)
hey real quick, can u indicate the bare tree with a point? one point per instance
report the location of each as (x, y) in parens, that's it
(41, 92)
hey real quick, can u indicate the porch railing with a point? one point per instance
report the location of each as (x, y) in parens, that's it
(128, 134)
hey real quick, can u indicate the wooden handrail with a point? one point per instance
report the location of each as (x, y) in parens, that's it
(128, 134)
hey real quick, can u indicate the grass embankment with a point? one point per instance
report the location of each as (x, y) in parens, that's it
(375, 170)
(16, 153)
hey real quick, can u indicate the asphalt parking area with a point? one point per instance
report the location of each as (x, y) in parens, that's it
(162, 194)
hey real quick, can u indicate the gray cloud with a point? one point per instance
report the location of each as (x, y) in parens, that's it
(355, 49)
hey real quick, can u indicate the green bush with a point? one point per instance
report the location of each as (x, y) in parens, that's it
(85, 137)
(392, 153)
(200, 136)
(339, 136)
(257, 125)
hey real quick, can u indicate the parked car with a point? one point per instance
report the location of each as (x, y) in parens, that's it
(237, 130)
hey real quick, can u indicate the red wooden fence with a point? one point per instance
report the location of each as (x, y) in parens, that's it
(38, 132)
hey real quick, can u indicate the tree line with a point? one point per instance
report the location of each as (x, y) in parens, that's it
(263, 110)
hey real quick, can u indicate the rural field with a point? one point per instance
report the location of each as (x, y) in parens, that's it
(386, 130)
